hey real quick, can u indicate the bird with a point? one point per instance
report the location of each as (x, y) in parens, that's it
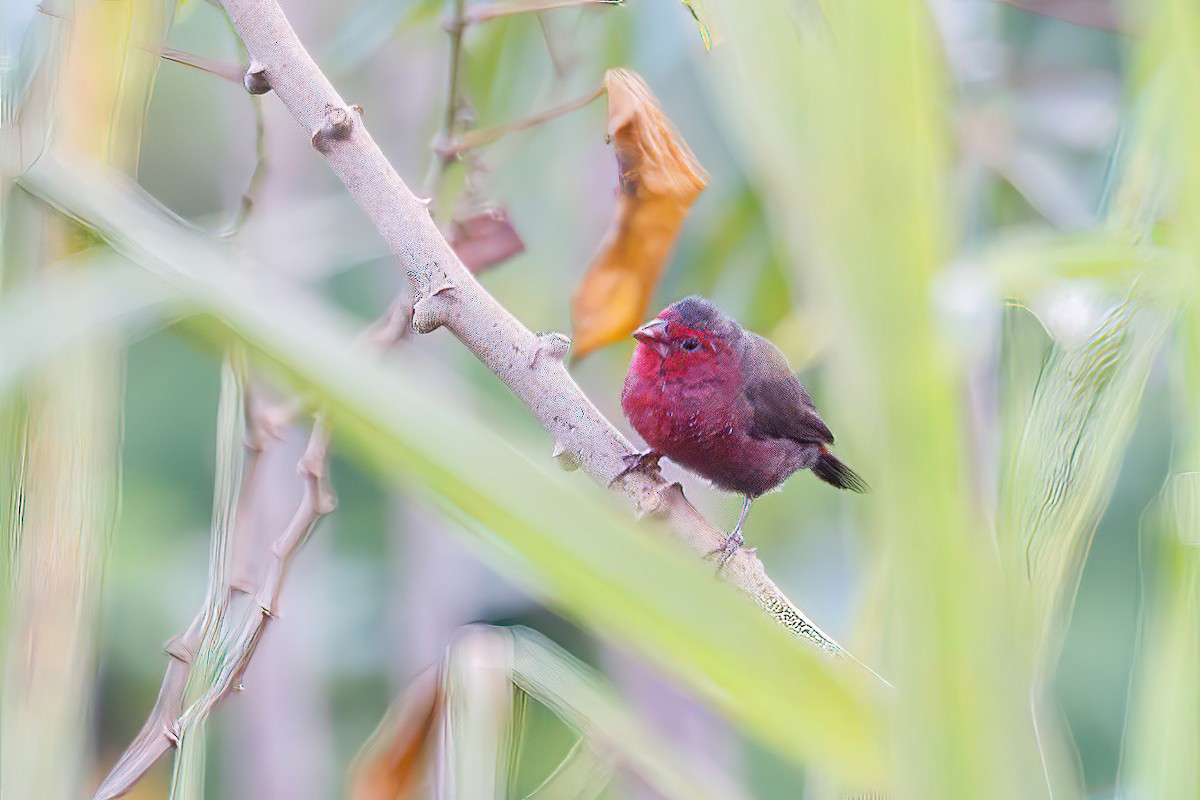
(723, 402)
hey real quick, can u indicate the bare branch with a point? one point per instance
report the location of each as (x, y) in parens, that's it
(508, 8)
(455, 25)
(161, 731)
(481, 136)
(1099, 14)
(317, 501)
(447, 295)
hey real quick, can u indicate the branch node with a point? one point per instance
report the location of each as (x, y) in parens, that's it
(312, 464)
(267, 421)
(555, 345)
(429, 312)
(324, 501)
(177, 650)
(171, 732)
(445, 148)
(338, 124)
(255, 79)
(655, 501)
(242, 584)
(567, 459)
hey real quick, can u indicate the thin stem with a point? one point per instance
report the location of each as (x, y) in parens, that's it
(437, 168)
(258, 173)
(222, 69)
(168, 718)
(484, 136)
(490, 11)
(457, 26)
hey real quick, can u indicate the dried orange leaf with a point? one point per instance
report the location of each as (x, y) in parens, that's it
(660, 179)
(393, 763)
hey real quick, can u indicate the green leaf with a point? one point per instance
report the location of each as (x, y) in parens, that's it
(842, 119)
(576, 694)
(560, 537)
(1062, 471)
(1162, 737)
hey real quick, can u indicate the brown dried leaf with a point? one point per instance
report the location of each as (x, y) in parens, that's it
(660, 179)
(485, 239)
(392, 764)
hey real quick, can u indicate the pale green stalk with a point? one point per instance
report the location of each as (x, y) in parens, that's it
(214, 655)
(94, 81)
(845, 127)
(479, 745)
(1163, 730)
(1064, 463)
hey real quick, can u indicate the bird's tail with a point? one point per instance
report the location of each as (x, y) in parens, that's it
(829, 469)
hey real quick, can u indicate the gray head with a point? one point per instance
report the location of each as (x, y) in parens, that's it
(700, 315)
(690, 326)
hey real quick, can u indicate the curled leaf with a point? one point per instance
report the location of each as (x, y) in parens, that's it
(660, 178)
(705, 36)
(485, 239)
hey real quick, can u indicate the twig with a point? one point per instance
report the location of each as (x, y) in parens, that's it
(254, 80)
(489, 11)
(161, 731)
(455, 26)
(257, 174)
(222, 69)
(316, 502)
(483, 136)
(167, 718)
(245, 77)
(446, 295)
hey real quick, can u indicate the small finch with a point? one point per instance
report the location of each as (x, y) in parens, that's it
(723, 403)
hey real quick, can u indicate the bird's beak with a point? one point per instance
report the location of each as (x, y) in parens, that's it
(654, 335)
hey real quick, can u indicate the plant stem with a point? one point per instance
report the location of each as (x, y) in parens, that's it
(483, 136)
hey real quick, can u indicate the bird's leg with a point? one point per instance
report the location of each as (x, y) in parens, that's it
(646, 463)
(734, 540)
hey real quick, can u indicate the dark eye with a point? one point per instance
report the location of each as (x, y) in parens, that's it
(690, 344)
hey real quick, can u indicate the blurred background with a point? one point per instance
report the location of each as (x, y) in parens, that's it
(1040, 93)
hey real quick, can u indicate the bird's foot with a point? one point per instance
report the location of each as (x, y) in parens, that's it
(733, 543)
(645, 463)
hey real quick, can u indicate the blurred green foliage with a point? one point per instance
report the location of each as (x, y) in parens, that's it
(932, 213)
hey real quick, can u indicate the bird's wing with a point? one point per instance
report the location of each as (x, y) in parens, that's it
(781, 407)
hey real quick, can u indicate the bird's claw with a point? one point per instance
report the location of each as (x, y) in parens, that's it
(733, 543)
(645, 463)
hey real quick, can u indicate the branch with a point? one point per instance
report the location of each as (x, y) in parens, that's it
(454, 147)
(161, 730)
(485, 12)
(447, 295)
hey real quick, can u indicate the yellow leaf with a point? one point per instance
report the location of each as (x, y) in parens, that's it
(660, 179)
